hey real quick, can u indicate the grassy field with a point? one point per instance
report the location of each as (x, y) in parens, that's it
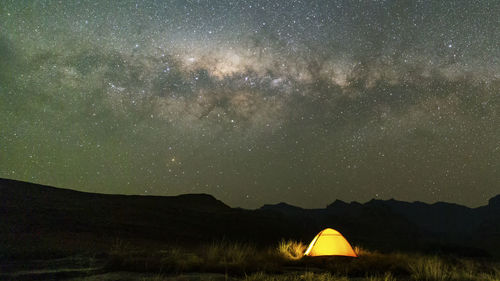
(243, 261)
(285, 262)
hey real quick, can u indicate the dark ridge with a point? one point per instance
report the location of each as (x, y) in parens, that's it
(281, 206)
(494, 202)
(34, 216)
(337, 204)
(18, 193)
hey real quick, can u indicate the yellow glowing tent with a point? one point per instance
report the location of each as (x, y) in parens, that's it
(329, 242)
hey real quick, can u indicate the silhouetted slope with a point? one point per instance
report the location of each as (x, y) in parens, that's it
(31, 210)
(189, 219)
(494, 202)
(35, 208)
(488, 232)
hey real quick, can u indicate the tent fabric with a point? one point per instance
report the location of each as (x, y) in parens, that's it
(329, 242)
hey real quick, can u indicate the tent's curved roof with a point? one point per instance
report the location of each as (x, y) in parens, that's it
(329, 242)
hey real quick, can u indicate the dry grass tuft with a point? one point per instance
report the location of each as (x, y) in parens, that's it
(291, 250)
(430, 269)
(387, 277)
(361, 251)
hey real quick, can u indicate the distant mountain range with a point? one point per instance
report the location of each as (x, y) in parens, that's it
(34, 211)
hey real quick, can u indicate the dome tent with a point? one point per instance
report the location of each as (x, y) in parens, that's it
(329, 242)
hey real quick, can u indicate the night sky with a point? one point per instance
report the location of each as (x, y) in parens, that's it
(254, 101)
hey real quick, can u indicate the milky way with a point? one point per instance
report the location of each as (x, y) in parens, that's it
(254, 101)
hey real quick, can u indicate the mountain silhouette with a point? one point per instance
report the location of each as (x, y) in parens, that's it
(31, 213)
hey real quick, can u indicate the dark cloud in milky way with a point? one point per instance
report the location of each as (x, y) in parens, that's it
(254, 101)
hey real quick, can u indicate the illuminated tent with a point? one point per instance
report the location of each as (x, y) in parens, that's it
(329, 242)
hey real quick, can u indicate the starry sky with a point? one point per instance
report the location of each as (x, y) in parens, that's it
(254, 101)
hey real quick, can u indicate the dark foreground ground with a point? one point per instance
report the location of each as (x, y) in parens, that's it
(49, 233)
(228, 261)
